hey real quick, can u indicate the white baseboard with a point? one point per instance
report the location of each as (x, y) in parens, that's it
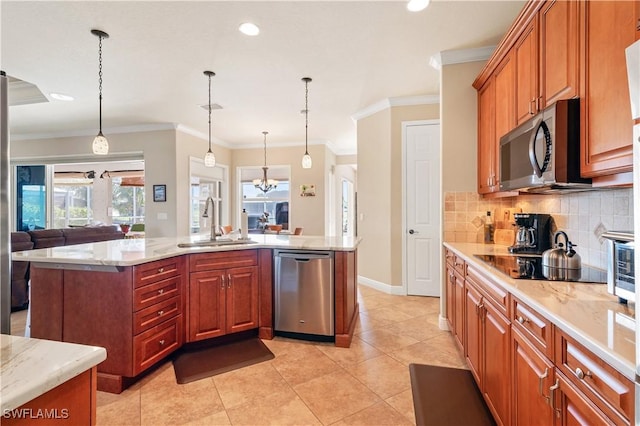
(442, 323)
(383, 287)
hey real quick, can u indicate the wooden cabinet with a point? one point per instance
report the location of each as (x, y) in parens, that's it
(223, 300)
(526, 57)
(572, 408)
(605, 117)
(487, 343)
(487, 146)
(505, 82)
(455, 296)
(596, 381)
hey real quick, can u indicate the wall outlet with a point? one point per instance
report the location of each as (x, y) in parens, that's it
(109, 211)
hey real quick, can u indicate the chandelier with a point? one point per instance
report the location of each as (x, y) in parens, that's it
(265, 185)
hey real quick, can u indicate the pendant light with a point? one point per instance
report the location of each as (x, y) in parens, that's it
(100, 143)
(265, 185)
(306, 159)
(209, 158)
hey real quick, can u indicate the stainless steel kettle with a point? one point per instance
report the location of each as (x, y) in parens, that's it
(560, 263)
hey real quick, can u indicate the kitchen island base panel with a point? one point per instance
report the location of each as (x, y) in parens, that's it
(113, 383)
(346, 296)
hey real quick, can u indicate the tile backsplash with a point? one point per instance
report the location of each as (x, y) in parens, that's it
(584, 216)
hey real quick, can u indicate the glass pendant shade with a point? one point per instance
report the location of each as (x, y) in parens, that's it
(306, 161)
(100, 145)
(209, 159)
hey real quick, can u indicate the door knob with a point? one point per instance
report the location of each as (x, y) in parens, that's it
(411, 231)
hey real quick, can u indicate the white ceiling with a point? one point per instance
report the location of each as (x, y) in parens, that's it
(358, 53)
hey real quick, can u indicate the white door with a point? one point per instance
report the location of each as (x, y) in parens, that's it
(422, 208)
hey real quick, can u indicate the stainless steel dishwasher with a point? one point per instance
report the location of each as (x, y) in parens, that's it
(304, 293)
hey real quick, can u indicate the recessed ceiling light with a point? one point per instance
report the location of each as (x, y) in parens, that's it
(249, 29)
(61, 97)
(417, 5)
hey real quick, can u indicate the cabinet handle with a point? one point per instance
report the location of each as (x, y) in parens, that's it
(222, 281)
(161, 291)
(160, 270)
(522, 320)
(552, 397)
(161, 342)
(541, 383)
(581, 374)
(228, 280)
(638, 25)
(160, 313)
(539, 103)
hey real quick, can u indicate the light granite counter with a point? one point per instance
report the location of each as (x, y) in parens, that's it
(129, 252)
(32, 367)
(585, 311)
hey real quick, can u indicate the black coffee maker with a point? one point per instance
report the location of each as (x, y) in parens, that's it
(533, 233)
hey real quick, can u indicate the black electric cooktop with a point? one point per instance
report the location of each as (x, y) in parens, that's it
(530, 267)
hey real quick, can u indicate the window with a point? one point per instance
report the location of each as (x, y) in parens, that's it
(31, 197)
(202, 189)
(263, 209)
(72, 203)
(127, 202)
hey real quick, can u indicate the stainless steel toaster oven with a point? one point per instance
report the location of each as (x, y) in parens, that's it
(620, 264)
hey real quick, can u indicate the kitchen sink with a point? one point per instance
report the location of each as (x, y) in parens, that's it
(216, 243)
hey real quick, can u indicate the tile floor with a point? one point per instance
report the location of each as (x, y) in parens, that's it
(306, 383)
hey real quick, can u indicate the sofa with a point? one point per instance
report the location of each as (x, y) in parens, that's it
(47, 238)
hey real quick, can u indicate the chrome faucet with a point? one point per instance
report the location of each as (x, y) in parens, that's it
(205, 214)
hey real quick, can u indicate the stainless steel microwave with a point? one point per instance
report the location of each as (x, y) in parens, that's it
(543, 154)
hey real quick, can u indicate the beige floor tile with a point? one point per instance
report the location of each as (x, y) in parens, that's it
(118, 409)
(249, 384)
(419, 328)
(282, 345)
(335, 396)
(283, 408)
(415, 308)
(303, 364)
(378, 414)
(425, 353)
(347, 357)
(403, 404)
(389, 313)
(367, 322)
(383, 375)
(385, 340)
(379, 300)
(215, 419)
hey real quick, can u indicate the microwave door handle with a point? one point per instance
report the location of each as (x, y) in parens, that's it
(532, 148)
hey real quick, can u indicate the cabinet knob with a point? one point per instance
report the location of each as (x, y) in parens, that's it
(581, 374)
(160, 270)
(522, 320)
(160, 313)
(161, 342)
(161, 291)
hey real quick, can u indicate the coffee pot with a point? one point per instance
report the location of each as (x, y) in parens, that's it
(525, 237)
(532, 233)
(561, 262)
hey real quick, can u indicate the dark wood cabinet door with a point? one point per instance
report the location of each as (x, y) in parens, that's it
(458, 283)
(533, 375)
(486, 138)
(473, 331)
(605, 119)
(242, 299)
(505, 81)
(496, 373)
(559, 48)
(207, 305)
(526, 56)
(451, 297)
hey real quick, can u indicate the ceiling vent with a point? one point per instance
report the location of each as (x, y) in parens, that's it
(24, 93)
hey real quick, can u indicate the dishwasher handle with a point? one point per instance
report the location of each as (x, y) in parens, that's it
(304, 256)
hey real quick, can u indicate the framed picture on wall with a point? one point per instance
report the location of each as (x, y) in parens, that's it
(159, 193)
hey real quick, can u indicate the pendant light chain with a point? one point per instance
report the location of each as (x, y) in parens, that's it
(306, 117)
(209, 112)
(100, 79)
(209, 157)
(265, 148)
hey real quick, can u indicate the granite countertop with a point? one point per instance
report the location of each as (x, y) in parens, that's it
(128, 252)
(585, 311)
(32, 367)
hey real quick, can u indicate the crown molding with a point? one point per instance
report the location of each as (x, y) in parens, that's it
(460, 56)
(86, 132)
(205, 137)
(394, 102)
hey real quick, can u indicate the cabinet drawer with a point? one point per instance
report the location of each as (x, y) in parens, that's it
(497, 294)
(156, 314)
(532, 325)
(454, 260)
(222, 260)
(607, 388)
(156, 343)
(151, 294)
(151, 272)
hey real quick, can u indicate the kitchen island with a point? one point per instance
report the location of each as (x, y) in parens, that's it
(142, 299)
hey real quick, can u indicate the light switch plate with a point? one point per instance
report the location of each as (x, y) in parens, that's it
(162, 216)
